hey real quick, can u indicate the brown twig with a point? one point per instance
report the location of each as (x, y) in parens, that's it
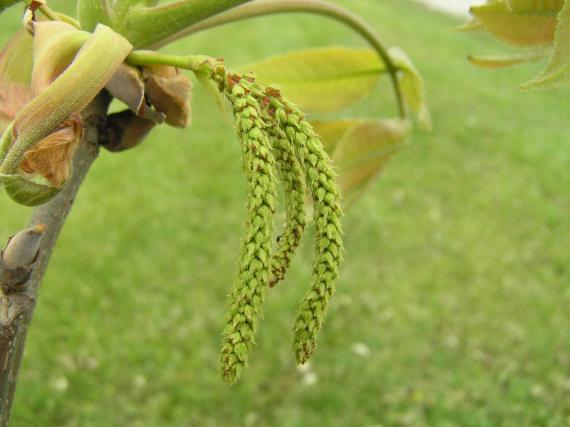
(20, 292)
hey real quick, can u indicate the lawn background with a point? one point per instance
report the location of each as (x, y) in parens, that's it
(453, 306)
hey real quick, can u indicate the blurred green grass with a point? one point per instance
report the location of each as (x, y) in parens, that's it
(453, 305)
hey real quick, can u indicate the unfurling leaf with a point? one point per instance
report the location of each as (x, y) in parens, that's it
(28, 191)
(55, 45)
(508, 60)
(13, 98)
(557, 72)
(522, 23)
(16, 59)
(46, 167)
(169, 91)
(471, 25)
(361, 150)
(73, 90)
(413, 88)
(546, 7)
(93, 12)
(15, 75)
(32, 167)
(330, 79)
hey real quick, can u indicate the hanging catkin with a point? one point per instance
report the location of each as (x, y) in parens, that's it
(261, 113)
(322, 185)
(254, 265)
(292, 177)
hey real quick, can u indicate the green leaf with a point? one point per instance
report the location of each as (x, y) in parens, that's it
(330, 79)
(93, 12)
(546, 7)
(362, 150)
(508, 60)
(332, 132)
(471, 25)
(55, 45)
(15, 75)
(16, 59)
(523, 23)
(413, 88)
(145, 26)
(28, 191)
(322, 80)
(557, 72)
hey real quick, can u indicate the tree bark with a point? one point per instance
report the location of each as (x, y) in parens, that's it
(17, 303)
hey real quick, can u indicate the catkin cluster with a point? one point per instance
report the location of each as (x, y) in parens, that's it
(275, 135)
(254, 265)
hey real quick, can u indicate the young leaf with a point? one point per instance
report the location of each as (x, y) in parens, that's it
(145, 26)
(557, 72)
(71, 92)
(362, 151)
(93, 12)
(13, 98)
(471, 25)
(16, 59)
(74, 89)
(413, 88)
(536, 6)
(331, 133)
(322, 80)
(55, 45)
(520, 23)
(508, 60)
(15, 75)
(28, 191)
(330, 79)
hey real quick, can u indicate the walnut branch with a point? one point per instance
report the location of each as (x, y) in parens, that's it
(20, 290)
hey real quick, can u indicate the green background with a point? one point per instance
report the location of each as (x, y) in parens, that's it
(453, 306)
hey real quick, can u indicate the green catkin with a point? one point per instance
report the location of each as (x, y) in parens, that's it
(254, 266)
(327, 214)
(292, 177)
(260, 111)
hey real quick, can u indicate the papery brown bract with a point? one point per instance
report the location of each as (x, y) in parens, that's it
(55, 46)
(169, 91)
(51, 158)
